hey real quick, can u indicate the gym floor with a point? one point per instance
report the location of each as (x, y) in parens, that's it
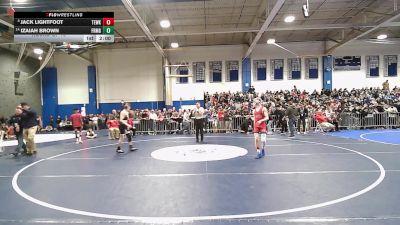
(310, 179)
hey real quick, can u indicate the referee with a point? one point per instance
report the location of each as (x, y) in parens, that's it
(198, 113)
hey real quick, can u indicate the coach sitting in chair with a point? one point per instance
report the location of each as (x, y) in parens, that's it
(323, 121)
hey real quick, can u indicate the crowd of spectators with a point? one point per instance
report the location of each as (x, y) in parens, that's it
(326, 107)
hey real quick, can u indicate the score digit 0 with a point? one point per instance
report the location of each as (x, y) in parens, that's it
(108, 30)
(108, 21)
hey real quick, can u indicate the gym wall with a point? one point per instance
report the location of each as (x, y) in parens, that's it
(358, 79)
(271, 52)
(26, 91)
(206, 54)
(136, 75)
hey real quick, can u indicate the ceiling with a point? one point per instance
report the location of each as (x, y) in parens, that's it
(226, 22)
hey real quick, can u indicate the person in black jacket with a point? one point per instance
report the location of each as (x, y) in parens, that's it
(29, 124)
(252, 90)
(303, 115)
(15, 122)
(282, 123)
(291, 114)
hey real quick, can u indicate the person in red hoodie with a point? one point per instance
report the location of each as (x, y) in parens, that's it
(77, 124)
(113, 128)
(323, 121)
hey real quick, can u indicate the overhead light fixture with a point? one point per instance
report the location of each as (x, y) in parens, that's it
(38, 51)
(271, 41)
(73, 46)
(306, 10)
(174, 45)
(40, 58)
(20, 1)
(289, 19)
(165, 23)
(382, 36)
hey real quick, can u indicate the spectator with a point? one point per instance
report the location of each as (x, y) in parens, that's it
(303, 115)
(29, 124)
(113, 128)
(131, 122)
(186, 121)
(95, 122)
(221, 120)
(252, 90)
(292, 114)
(59, 121)
(282, 122)
(15, 122)
(228, 120)
(153, 120)
(323, 121)
(385, 85)
(51, 122)
(90, 134)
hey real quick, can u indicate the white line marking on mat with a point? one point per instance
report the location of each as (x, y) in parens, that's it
(362, 136)
(203, 174)
(60, 159)
(261, 173)
(164, 220)
(278, 220)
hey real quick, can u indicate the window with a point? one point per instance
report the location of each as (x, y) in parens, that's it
(311, 68)
(390, 65)
(260, 69)
(294, 67)
(372, 65)
(182, 70)
(216, 71)
(233, 70)
(276, 69)
(199, 70)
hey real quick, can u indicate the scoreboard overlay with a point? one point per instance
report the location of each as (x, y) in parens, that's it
(64, 27)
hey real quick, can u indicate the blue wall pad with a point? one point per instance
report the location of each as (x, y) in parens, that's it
(327, 73)
(246, 74)
(91, 108)
(50, 94)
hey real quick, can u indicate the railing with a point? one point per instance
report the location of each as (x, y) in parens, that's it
(376, 120)
(239, 123)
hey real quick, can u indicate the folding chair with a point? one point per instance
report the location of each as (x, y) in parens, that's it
(318, 127)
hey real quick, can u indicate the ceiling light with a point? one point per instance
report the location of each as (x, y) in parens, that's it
(38, 51)
(289, 19)
(165, 23)
(306, 9)
(19, 1)
(40, 58)
(73, 46)
(271, 41)
(174, 45)
(382, 36)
